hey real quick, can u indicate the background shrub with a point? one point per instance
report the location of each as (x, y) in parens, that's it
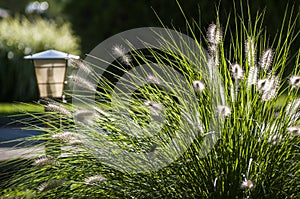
(20, 36)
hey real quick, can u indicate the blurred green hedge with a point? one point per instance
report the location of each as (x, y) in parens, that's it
(20, 36)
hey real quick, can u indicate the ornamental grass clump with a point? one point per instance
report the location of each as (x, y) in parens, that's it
(241, 143)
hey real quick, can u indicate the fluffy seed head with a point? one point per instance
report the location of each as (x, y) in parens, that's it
(266, 59)
(153, 80)
(199, 86)
(247, 184)
(44, 161)
(86, 116)
(126, 59)
(43, 187)
(154, 107)
(46, 186)
(294, 81)
(212, 49)
(236, 71)
(293, 107)
(214, 34)
(78, 63)
(75, 142)
(269, 95)
(263, 84)
(252, 76)
(250, 51)
(64, 136)
(82, 83)
(216, 59)
(58, 109)
(223, 110)
(69, 138)
(84, 113)
(292, 110)
(95, 179)
(294, 130)
(120, 52)
(268, 87)
(211, 62)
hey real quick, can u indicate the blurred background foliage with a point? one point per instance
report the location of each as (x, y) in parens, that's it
(20, 36)
(93, 21)
(27, 33)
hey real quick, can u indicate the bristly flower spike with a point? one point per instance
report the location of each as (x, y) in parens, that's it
(120, 52)
(154, 107)
(152, 79)
(294, 130)
(266, 59)
(78, 63)
(95, 179)
(236, 71)
(247, 184)
(58, 109)
(252, 76)
(199, 86)
(46, 186)
(64, 136)
(268, 87)
(223, 110)
(44, 161)
(292, 110)
(294, 81)
(250, 51)
(82, 83)
(214, 34)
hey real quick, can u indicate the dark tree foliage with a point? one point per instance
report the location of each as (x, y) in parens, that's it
(95, 21)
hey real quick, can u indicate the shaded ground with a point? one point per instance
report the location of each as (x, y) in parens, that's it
(11, 129)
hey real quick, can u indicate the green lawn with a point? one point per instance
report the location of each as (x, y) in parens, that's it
(16, 108)
(19, 107)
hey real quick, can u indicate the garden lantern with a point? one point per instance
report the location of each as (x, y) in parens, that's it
(50, 70)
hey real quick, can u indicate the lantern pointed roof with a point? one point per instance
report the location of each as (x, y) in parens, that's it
(51, 54)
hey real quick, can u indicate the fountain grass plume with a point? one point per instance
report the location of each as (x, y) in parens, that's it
(255, 156)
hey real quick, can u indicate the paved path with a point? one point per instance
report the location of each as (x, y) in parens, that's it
(7, 153)
(11, 135)
(8, 134)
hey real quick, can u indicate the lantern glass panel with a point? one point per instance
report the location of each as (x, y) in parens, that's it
(50, 75)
